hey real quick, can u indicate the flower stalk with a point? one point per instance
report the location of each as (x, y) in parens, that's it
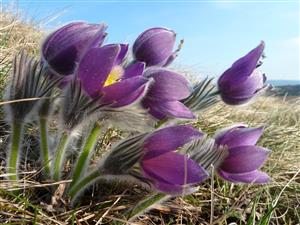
(145, 204)
(79, 186)
(13, 155)
(84, 157)
(59, 156)
(44, 145)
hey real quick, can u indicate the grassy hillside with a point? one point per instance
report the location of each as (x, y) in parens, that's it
(221, 203)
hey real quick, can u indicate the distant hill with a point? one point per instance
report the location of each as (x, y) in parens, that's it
(283, 82)
(285, 87)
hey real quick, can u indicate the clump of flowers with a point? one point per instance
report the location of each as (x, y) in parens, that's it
(87, 86)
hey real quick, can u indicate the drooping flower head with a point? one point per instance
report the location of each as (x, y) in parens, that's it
(244, 158)
(155, 47)
(171, 172)
(241, 82)
(63, 49)
(101, 74)
(164, 95)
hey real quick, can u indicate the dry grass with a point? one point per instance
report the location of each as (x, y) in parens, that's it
(277, 203)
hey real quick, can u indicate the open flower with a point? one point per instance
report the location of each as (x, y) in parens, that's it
(244, 158)
(101, 74)
(164, 95)
(242, 81)
(170, 171)
(155, 46)
(64, 48)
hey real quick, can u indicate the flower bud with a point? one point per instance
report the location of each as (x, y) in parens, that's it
(154, 46)
(63, 49)
(241, 82)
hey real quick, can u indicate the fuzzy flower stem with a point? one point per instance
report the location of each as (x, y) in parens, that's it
(145, 205)
(13, 155)
(44, 145)
(86, 153)
(74, 190)
(59, 156)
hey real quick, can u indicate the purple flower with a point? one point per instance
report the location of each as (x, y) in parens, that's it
(170, 171)
(244, 158)
(240, 83)
(101, 74)
(164, 95)
(64, 48)
(155, 46)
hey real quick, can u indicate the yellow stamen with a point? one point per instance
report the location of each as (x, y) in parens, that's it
(114, 76)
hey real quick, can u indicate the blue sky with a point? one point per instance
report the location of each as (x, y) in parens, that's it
(216, 33)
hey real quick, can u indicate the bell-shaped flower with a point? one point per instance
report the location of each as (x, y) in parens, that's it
(244, 158)
(242, 81)
(165, 93)
(101, 74)
(170, 171)
(63, 49)
(155, 46)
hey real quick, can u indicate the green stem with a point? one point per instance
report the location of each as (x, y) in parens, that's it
(84, 157)
(60, 155)
(13, 155)
(79, 186)
(44, 145)
(145, 205)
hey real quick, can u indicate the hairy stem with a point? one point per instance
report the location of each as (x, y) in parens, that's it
(145, 204)
(60, 156)
(44, 145)
(83, 183)
(85, 155)
(13, 155)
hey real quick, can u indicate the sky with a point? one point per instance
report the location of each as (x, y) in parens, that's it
(215, 33)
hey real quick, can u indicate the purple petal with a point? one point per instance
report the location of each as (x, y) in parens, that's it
(169, 139)
(135, 69)
(170, 59)
(173, 168)
(95, 67)
(243, 91)
(122, 54)
(124, 92)
(255, 176)
(66, 46)
(244, 159)
(249, 86)
(236, 100)
(154, 46)
(131, 98)
(162, 110)
(241, 69)
(239, 136)
(167, 85)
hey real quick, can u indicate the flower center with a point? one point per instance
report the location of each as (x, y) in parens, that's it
(114, 76)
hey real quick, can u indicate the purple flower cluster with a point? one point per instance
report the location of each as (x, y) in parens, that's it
(114, 76)
(244, 157)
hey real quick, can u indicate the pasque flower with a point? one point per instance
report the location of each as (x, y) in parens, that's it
(64, 48)
(244, 158)
(242, 81)
(171, 172)
(155, 46)
(101, 74)
(165, 93)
